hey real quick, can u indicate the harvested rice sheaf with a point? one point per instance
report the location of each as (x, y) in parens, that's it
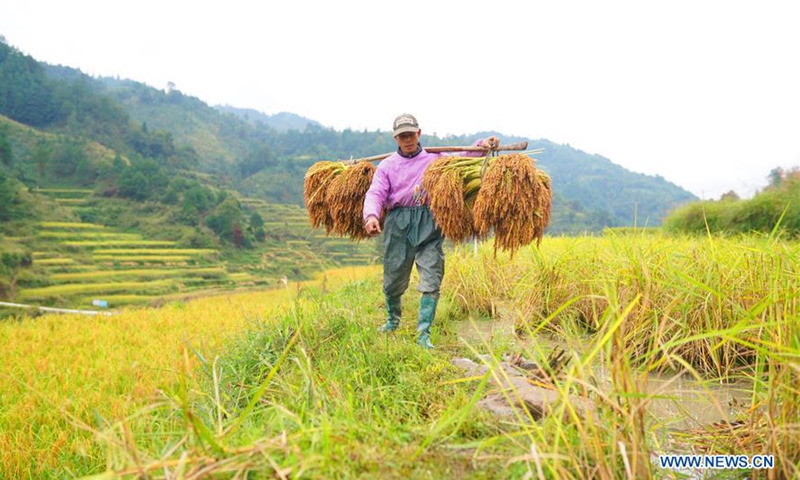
(444, 183)
(344, 200)
(514, 201)
(544, 204)
(318, 178)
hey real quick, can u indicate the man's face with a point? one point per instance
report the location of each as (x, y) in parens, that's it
(408, 141)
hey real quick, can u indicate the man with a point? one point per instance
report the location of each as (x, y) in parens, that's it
(410, 235)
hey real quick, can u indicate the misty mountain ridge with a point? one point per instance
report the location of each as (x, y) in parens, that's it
(281, 121)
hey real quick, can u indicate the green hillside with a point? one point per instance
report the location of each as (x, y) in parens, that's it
(260, 156)
(777, 207)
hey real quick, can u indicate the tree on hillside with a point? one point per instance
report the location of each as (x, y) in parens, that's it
(66, 159)
(256, 220)
(9, 206)
(226, 221)
(41, 157)
(118, 165)
(133, 184)
(197, 200)
(729, 196)
(256, 161)
(10, 265)
(257, 227)
(25, 92)
(775, 177)
(144, 179)
(6, 151)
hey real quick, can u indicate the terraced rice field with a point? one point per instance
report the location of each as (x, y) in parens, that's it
(72, 197)
(306, 244)
(77, 263)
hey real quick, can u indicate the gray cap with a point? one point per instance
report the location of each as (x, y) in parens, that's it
(405, 123)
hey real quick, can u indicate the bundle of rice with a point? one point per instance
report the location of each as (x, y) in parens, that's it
(451, 184)
(317, 180)
(514, 200)
(344, 200)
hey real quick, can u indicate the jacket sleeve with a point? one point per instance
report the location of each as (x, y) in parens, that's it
(477, 143)
(376, 195)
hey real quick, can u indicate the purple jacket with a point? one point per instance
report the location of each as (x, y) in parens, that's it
(398, 181)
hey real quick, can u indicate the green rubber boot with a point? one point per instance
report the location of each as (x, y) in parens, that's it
(427, 311)
(393, 310)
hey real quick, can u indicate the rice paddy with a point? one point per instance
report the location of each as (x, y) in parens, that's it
(119, 243)
(142, 258)
(75, 260)
(238, 385)
(84, 234)
(55, 261)
(71, 258)
(154, 251)
(108, 287)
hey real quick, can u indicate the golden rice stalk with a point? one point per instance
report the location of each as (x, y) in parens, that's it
(544, 204)
(444, 183)
(513, 201)
(344, 200)
(318, 178)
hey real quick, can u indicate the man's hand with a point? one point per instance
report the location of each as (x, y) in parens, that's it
(491, 142)
(372, 226)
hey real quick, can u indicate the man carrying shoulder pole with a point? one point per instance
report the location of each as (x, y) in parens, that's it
(410, 234)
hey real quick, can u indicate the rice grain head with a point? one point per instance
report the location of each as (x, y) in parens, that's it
(344, 200)
(444, 183)
(317, 180)
(513, 201)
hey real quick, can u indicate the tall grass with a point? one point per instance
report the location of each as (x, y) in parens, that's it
(314, 393)
(680, 289)
(317, 393)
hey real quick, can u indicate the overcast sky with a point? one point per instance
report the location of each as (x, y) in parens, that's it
(704, 93)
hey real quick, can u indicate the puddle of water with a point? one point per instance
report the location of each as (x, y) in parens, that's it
(484, 331)
(675, 402)
(682, 402)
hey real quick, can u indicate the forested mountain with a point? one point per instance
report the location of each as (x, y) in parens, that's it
(158, 144)
(282, 121)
